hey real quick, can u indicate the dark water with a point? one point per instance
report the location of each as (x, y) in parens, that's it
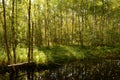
(78, 70)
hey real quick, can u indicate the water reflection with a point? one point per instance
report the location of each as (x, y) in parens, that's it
(79, 70)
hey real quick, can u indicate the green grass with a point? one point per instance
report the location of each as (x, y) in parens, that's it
(61, 54)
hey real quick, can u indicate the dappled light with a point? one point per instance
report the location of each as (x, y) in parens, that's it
(40, 57)
(59, 39)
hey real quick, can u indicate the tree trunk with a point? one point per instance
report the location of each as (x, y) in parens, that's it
(13, 33)
(47, 24)
(72, 26)
(61, 24)
(102, 22)
(82, 25)
(32, 34)
(29, 31)
(95, 23)
(5, 32)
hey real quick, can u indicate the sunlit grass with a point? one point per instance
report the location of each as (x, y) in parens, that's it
(3, 57)
(21, 54)
(40, 57)
(76, 52)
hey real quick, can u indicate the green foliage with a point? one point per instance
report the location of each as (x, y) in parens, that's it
(61, 54)
(57, 24)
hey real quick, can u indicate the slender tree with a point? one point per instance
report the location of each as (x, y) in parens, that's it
(73, 20)
(29, 31)
(13, 32)
(5, 32)
(95, 22)
(32, 36)
(82, 23)
(102, 21)
(61, 21)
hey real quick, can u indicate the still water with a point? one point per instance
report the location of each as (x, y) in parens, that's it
(78, 70)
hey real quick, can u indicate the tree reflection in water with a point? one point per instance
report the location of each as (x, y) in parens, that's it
(79, 70)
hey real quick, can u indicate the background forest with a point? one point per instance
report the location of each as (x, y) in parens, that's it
(28, 25)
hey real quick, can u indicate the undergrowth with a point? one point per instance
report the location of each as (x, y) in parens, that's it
(60, 54)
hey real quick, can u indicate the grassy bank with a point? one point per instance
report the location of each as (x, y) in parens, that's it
(60, 54)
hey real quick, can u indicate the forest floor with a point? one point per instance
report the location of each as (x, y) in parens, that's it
(94, 60)
(61, 54)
